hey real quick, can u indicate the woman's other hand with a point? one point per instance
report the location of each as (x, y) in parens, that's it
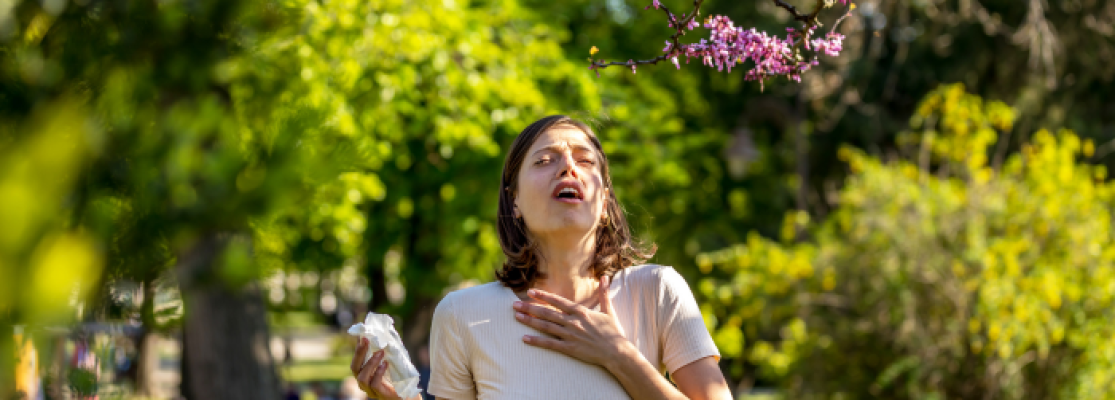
(370, 377)
(595, 337)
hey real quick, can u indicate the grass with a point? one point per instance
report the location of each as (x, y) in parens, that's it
(293, 320)
(332, 369)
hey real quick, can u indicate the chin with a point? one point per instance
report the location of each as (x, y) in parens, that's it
(570, 224)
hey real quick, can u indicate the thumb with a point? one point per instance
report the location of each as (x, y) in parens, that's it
(605, 301)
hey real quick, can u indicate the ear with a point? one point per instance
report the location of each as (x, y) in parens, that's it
(515, 205)
(604, 205)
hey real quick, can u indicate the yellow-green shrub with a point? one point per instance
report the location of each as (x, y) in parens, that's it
(941, 275)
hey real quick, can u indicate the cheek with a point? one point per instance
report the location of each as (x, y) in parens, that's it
(531, 188)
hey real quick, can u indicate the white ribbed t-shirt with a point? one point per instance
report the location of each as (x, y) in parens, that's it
(477, 351)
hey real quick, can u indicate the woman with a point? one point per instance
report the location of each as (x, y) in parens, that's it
(572, 316)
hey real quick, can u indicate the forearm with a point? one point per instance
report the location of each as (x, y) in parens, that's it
(639, 378)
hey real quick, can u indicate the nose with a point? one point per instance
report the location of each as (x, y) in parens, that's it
(568, 167)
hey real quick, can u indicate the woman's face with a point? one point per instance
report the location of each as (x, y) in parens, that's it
(561, 188)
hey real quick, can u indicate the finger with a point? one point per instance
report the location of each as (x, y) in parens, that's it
(541, 325)
(561, 303)
(364, 386)
(606, 305)
(367, 390)
(378, 375)
(605, 301)
(358, 358)
(364, 381)
(370, 368)
(543, 312)
(381, 386)
(546, 343)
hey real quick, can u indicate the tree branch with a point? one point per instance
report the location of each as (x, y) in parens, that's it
(794, 11)
(652, 61)
(679, 29)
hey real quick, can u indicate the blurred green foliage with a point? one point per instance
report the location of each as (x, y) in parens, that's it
(43, 257)
(939, 275)
(123, 150)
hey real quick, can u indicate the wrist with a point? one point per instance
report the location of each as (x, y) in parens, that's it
(623, 355)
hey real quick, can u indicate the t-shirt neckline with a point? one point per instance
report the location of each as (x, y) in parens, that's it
(515, 296)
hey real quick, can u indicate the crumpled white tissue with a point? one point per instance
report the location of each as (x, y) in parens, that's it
(379, 329)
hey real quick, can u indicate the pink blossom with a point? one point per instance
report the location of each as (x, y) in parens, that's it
(830, 45)
(728, 45)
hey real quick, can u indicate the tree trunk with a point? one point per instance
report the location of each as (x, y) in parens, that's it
(147, 355)
(378, 281)
(415, 331)
(379, 242)
(147, 363)
(7, 358)
(801, 153)
(56, 387)
(422, 257)
(226, 352)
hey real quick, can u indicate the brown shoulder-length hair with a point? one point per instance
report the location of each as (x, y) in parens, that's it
(615, 249)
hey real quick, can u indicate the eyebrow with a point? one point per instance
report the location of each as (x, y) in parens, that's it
(554, 148)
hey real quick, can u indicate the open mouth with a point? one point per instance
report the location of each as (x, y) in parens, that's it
(568, 192)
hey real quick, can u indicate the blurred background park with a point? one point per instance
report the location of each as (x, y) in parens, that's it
(197, 197)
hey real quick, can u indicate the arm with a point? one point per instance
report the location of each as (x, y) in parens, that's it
(639, 378)
(450, 374)
(701, 379)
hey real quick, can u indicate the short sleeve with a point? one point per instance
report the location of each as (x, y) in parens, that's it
(450, 377)
(684, 337)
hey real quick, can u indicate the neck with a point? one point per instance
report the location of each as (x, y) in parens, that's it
(566, 262)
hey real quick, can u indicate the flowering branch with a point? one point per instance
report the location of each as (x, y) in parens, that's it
(729, 45)
(687, 21)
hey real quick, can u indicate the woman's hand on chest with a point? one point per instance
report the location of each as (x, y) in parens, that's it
(594, 337)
